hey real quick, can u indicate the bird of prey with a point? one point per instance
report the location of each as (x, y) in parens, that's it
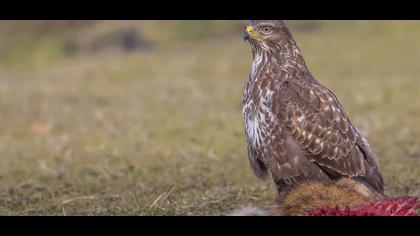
(296, 128)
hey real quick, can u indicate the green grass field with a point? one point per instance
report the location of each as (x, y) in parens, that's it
(159, 131)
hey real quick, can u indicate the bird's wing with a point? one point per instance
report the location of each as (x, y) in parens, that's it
(318, 124)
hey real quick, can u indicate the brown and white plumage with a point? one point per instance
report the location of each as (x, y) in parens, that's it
(296, 128)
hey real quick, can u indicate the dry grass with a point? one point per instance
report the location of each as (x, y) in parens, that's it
(159, 132)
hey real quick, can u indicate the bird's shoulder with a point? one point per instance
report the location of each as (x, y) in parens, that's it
(316, 120)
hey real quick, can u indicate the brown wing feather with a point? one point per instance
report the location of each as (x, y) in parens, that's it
(318, 124)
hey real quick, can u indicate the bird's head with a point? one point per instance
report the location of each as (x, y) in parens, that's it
(265, 34)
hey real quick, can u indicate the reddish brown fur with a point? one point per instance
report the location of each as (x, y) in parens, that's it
(309, 195)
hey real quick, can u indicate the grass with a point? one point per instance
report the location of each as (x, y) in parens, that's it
(159, 132)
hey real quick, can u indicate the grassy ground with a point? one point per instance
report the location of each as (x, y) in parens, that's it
(159, 131)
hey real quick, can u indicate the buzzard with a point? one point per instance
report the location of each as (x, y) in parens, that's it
(296, 128)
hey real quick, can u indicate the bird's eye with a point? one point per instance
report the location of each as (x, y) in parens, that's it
(266, 29)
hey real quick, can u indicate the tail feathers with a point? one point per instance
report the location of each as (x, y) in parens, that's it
(249, 211)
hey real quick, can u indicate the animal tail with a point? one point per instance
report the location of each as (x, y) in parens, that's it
(249, 211)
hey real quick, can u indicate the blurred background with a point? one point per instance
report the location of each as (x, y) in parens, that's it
(144, 117)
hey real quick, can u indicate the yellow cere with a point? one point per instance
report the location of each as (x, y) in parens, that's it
(252, 33)
(250, 30)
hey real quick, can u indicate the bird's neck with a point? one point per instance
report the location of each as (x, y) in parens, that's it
(290, 57)
(285, 56)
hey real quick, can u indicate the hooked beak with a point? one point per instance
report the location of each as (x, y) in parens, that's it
(246, 36)
(248, 32)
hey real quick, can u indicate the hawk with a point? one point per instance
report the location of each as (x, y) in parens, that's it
(296, 128)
